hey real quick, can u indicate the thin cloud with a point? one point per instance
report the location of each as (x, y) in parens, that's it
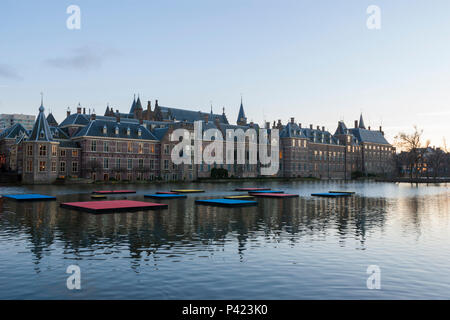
(434, 114)
(84, 58)
(9, 72)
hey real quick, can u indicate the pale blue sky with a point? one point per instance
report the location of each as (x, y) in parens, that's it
(313, 60)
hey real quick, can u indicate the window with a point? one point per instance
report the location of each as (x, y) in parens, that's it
(42, 150)
(166, 164)
(152, 164)
(62, 166)
(118, 163)
(130, 164)
(140, 148)
(105, 163)
(141, 163)
(74, 166)
(94, 145)
(166, 149)
(152, 148)
(54, 151)
(53, 166)
(105, 147)
(29, 150)
(130, 147)
(42, 165)
(30, 166)
(74, 153)
(62, 153)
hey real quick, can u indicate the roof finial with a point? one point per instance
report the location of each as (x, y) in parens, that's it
(42, 99)
(211, 107)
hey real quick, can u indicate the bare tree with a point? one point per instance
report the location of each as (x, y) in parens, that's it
(411, 143)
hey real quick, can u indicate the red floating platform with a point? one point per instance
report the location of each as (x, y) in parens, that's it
(275, 195)
(252, 189)
(113, 191)
(112, 206)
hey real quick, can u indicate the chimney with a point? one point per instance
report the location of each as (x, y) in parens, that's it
(323, 128)
(380, 129)
(79, 110)
(118, 116)
(300, 125)
(205, 117)
(68, 113)
(369, 128)
(292, 120)
(318, 127)
(156, 103)
(141, 121)
(84, 110)
(356, 124)
(311, 126)
(93, 116)
(267, 125)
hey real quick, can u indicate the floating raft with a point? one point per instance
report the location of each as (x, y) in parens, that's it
(227, 202)
(165, 196)
(166, 192)
(98, 196)
(251, 189)
(349, 192)
(272, 191)
(28, 197)
(331, 195)
(113, 191)
(188, 191)
(275, 195)
(112, 206)
(243, 197)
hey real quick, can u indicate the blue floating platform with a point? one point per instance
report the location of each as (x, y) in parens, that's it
(28, 197)
(331, 195)
(227, 202)
(266, 191)
(165, 196)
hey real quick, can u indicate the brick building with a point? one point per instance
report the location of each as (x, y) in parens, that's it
(137, 146)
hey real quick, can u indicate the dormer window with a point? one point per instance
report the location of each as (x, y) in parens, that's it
(105, 130)
(128, 131)
(139, 132)
(117, 130)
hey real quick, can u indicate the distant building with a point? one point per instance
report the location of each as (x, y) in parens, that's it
(8, 120)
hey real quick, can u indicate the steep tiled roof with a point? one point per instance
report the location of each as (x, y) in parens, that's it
(96, 129)
(41, 130)
(342, 128)
(51, 120)
(241, 115)
(75, 119)
(292, 130)
(13, 132)
(189, 115)
(370, 136)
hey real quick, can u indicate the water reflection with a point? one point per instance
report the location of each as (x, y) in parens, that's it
(187, 232)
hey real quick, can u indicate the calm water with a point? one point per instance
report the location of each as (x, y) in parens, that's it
(301, 248)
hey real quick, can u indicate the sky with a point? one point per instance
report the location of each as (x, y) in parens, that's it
(314, 60)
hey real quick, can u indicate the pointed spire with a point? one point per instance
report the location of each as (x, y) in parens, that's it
(361, 122)
(41, 129)
(242, 119)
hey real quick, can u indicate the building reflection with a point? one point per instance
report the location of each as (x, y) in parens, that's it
(156, 233)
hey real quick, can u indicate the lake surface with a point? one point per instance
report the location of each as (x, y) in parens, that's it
(300, 248)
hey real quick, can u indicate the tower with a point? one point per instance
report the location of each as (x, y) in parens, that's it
(242, 119)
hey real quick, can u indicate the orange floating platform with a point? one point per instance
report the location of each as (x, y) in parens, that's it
(275, 195)
(112, 206)
(113, 191)
(252, 189)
